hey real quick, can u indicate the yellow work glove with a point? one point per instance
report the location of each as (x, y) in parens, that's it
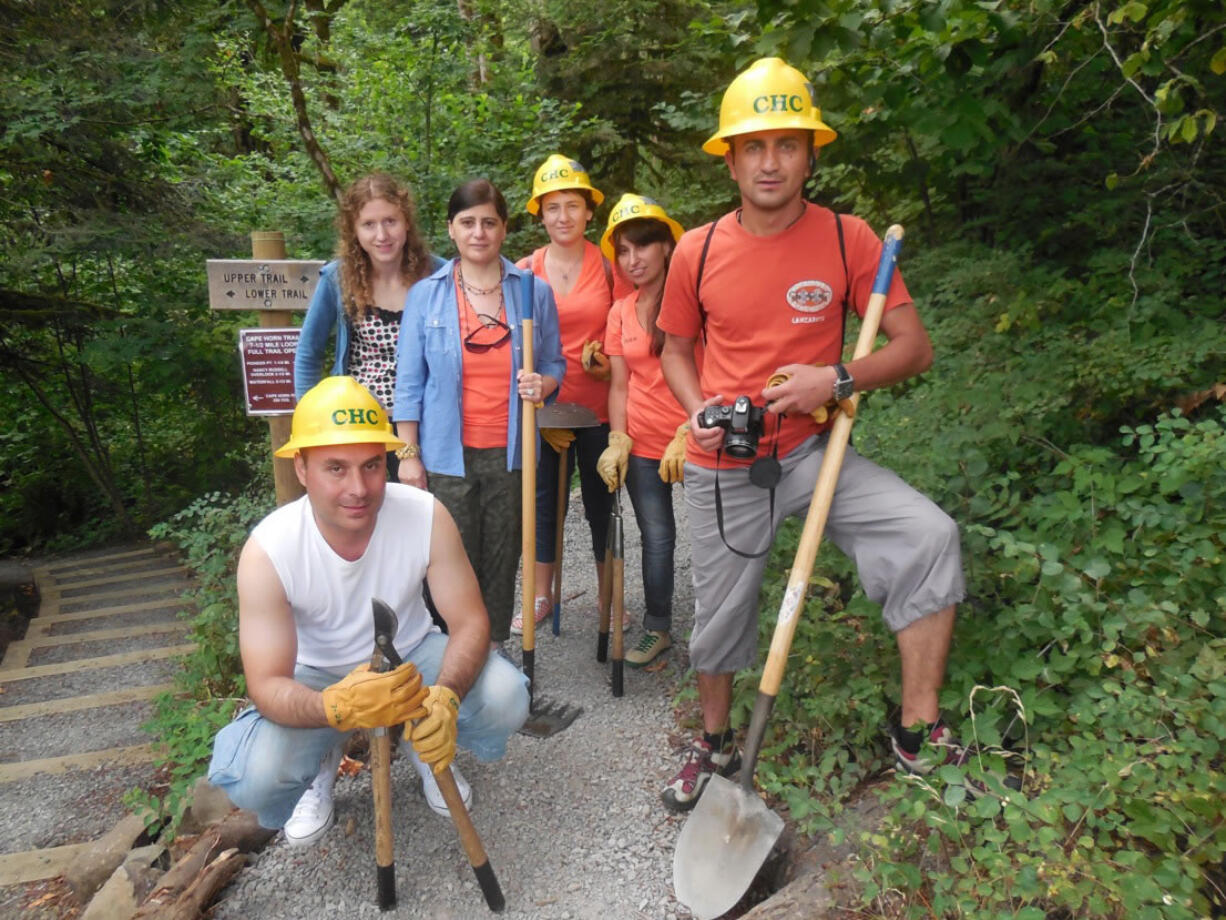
(614, 459)
(559, 439)
(821, 414)
(594, 361)
(366, 699)
(672, 464)
(434, 736)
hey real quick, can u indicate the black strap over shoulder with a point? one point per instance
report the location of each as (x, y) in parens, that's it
(838, 226)
(702, 263)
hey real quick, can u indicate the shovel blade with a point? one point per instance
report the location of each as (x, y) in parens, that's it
(722, 846)
(547, 718)
(566, 415)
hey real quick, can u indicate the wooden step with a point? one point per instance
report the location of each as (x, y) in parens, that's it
(86, 664)
(125, 578)
(24, 769)
(77, 703)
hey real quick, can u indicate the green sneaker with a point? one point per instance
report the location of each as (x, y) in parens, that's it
(651, 644)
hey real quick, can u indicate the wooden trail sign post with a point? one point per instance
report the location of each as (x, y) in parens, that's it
(275, 287)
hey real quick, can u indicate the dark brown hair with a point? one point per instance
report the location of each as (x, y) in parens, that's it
(643, 231)
(473, 193)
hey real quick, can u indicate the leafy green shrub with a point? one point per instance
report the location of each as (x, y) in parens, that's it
(1099, 596)
(210, 687)
(1106, 586)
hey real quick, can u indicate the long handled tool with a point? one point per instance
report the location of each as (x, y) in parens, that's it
(544, 718)
(385, 632)
(616, 577)
(381, 781)
(572, 416)
(731, 831)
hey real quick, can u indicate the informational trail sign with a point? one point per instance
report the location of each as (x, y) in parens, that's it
(262, 284)
(268, 369)
(274, 287)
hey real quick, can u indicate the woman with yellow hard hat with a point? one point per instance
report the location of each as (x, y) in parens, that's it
(648, 426)
(583, 288)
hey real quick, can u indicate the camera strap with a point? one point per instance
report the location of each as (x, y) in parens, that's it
(765, 473)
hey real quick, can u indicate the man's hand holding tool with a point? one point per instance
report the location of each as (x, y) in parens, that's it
(366, 699)
(434, 736)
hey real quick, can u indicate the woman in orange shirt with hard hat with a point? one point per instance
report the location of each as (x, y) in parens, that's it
(648, 426)
(583, 287)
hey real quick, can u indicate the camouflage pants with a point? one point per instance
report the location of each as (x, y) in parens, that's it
(486, 504)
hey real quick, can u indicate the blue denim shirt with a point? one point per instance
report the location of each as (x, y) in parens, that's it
(429, 363)
(325, 314)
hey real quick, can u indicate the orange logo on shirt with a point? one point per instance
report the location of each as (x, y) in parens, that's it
(809, 296)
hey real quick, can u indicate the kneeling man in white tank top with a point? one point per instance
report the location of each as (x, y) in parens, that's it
(306, 579)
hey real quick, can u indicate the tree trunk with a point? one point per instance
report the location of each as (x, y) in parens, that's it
(282, 39)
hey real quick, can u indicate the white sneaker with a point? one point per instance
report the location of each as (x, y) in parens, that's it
(313, 814)
(429, 785)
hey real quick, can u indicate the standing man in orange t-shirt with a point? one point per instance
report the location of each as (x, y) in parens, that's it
(766, 287)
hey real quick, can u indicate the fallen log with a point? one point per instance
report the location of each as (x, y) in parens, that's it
(192, 901)
(238, 831)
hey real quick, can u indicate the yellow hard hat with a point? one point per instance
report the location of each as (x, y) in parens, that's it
(635, 207)
(769, 95)
(338, 410)
(559, 173)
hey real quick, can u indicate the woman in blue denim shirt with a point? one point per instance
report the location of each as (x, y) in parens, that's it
(360, 296)
(460, 383)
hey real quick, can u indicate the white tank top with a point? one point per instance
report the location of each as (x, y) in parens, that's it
(330, 596)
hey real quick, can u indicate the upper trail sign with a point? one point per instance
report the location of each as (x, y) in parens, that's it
(262, 284)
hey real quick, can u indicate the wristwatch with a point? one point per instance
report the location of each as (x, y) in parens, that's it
(409, 452)
(844, 385)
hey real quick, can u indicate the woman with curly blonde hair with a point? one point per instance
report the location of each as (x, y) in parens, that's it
(362, 292)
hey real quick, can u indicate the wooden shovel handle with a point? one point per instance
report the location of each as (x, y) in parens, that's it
(823, 491)
(528, 508)
(815, 520)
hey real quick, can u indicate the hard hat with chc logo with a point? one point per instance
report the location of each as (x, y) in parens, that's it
(560, 173)
(635, 207)
(338, 410)
(768, 96)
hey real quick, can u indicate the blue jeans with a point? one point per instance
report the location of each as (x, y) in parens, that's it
(265, 767)
(652, 498)
(597, 501)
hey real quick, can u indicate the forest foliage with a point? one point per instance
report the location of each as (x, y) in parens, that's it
(1060, 170)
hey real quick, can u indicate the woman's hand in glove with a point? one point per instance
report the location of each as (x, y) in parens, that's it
(672, 464)
(615, 459)
(594, 361)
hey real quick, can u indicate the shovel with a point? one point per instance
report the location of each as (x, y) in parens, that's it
(385, 632)
(572, 416)
(731, 831)
(544, 718)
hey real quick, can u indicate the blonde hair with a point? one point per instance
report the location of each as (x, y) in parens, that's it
(355, 268)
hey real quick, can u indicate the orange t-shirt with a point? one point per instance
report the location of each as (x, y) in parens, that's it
(485, 381)
(770, 301)
(582, 315)
(652, 412)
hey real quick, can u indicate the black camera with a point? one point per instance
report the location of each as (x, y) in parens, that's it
(742, 424)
